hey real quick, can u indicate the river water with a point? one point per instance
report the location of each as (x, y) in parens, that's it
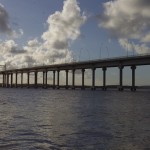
(38, 119)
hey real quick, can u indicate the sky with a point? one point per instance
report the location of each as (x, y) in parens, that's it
(37, 32)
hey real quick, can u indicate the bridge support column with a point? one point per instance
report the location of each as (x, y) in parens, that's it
(83, 87)
(73, 79)
(93, 78)
(104, 78)
(58, 79)
(120, 88)
(54, 79)
(3, 80)
(28, 79)
(43, 79)
(66, 79)
(21, 79)
(16, 85)
(35, 81)
(133, 88)
(7, 80)
(46, 79)
(11, 80)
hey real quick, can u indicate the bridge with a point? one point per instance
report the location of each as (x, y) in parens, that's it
(120, 62)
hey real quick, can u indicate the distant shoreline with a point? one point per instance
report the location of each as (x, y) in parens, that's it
(108, 87)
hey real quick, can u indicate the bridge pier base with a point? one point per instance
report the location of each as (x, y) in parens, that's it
(104, 88)
(133, 89)
(120, 88)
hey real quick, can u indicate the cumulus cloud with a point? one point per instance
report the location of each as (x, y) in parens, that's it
(53, 47)
(130, 46)
(63, 26)
(44, 56)
(129, 19)
(10, 47)
(146, 38)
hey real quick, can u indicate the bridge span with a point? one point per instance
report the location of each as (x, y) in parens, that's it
(120, 62)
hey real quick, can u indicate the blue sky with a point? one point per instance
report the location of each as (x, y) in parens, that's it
(31, 16)
(101, 34)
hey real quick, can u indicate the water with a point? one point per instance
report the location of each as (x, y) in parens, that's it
(37, 119)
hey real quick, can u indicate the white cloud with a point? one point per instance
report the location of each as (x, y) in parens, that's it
(129, 19)
(146, 38)
(130, 46)
(10, 47)
(63, 26)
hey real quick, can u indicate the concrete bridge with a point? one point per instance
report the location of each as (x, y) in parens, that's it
(121, 62)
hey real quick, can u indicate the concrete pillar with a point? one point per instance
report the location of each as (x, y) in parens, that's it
(54, 79)
(21, 79)
(83, 70)
(133, 88)
(46, 78)
(35, 79)
(121, 78)
(7, 80)
(28, 79)
(3, 80)
(66, 79)
(73, 79)
(43, 79)
(58, 79)
(11, 80)
(16, 85)
(104, 78)
(93, 78)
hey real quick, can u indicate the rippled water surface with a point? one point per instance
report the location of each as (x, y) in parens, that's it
(37, 119)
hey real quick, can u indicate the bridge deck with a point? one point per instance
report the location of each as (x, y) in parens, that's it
(100, 63)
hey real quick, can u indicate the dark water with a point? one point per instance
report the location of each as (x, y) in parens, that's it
(36, 119)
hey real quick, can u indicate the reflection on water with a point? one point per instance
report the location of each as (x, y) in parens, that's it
(38, 119)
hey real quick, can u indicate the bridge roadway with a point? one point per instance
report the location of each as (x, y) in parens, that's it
(119, 62)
